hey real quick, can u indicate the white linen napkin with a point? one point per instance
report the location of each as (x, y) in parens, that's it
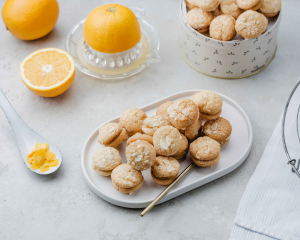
(270, 206)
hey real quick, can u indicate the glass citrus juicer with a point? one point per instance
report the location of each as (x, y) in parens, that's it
(108, 48)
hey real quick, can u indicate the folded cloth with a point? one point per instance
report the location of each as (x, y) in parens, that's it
(270, 206)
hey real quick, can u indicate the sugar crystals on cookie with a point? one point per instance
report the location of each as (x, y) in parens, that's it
(133, 120)
(165, 170)
(111, 134)
(205, 151)
(199, 19)
(126, 179)
(105, 160)
(251, 24)
(218, 129)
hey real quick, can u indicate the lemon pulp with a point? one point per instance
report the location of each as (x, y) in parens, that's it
(42, 158)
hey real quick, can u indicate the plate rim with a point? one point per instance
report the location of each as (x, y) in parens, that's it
(206, 179)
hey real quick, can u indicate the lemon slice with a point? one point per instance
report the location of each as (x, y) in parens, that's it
(48, 72)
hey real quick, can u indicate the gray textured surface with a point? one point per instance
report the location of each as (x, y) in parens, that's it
(61, 206)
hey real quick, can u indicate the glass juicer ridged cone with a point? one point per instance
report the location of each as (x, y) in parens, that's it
(115, 60)
(118, 65)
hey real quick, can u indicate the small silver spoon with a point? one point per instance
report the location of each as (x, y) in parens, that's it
(25, 136)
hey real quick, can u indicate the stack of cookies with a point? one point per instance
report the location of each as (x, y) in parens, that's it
(224, 18)
(158, 142)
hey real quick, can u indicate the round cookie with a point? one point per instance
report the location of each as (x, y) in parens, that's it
(247, 4)
(209, 104)
(151, 124)
(183, 113)
(251, 24)
(199, 19)
(218, 129)
(166, 140)
(270, 8)
(111, 135)
(184, 147)
(256, 7)
(132, 120)
(140, 155)
(208, 163)
(223, 28)
(189, 5)
(205, 151)
(122, 137)
(210, 117)
(162, 109)
(204, 30)
(108, 132)
(165, 170)
(139, 136)
(105, 160)
(270, 14)
(230, 7)
(126, 179)
(192, 132)
(206, 5)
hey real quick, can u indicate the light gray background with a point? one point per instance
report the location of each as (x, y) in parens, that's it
(62, 206)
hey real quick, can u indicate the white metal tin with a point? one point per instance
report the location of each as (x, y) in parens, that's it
(233, 155)
(232, 59)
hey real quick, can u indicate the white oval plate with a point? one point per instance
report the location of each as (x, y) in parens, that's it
(232, 155)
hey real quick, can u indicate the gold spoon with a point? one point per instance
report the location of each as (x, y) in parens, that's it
(164, 192)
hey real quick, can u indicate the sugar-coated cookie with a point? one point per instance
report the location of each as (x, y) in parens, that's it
(223, 28)
(133, 120)
(139, 136)
(231, 8)
(140, 155)
(192, 132)
(117, 141)
(122, 137)
(166, 140)
(247, 4)
(199, 19)
(189, 5)
(151, 124)
(162, 109)
(126, 179)
(206, 5)
(270, 8)
(105, 160)
(184, 147)
(165, 170)
(209, 104)
(183, 113)
(218, 129)
(111, 135)
(108, 132)
(257, 6)
(205, 151)
(251, 24)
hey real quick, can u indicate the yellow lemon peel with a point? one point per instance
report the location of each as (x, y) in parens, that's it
(42, 158)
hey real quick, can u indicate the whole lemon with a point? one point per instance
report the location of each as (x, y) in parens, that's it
(30, 19)
(111, 28)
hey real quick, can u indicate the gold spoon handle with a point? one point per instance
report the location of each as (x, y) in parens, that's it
(164, 192)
